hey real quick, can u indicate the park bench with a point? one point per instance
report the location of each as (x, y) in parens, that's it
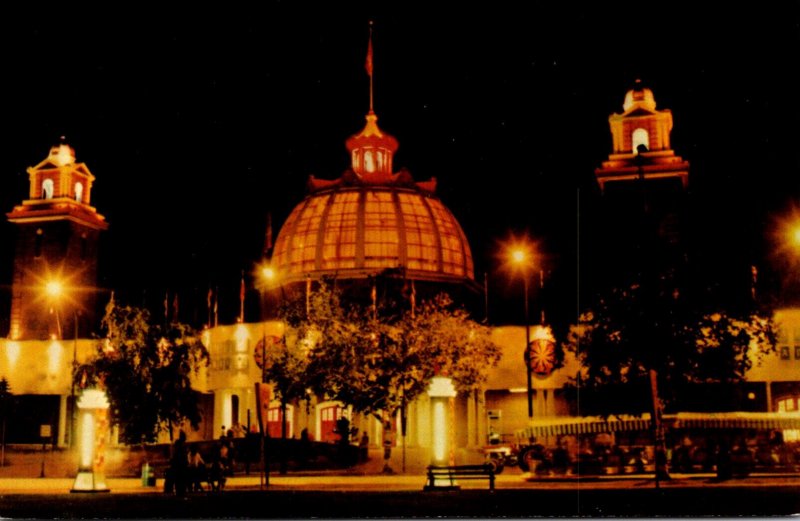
(446, 476)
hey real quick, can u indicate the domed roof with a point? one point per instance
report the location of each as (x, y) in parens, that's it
(370, 220)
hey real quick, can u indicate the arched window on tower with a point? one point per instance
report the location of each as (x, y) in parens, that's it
(37, 245)
(79, 191)
(640, 137)
(47, 189)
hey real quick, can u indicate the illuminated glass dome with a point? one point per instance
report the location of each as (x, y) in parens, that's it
(370, 220)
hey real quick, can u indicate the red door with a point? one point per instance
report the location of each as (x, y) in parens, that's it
(274, 421)
(328, 417)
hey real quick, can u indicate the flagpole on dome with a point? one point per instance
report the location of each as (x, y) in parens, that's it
(268, 237)
(368, 66)
(209, 299)
(241, 300)
(216, 306)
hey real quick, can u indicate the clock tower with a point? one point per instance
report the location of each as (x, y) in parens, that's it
(55, 265)
(644, 185)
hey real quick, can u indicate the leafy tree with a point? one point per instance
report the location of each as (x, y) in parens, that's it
(629, 332)
(379, 360)
(146, 370)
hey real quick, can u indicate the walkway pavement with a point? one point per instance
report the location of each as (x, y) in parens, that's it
(333, 481)
(21, 476)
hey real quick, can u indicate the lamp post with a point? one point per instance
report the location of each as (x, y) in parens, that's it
(56, 292)
(268, 277)
(521, 258)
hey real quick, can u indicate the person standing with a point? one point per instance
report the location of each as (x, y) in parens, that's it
(388, 443)
(363, 447)
(178, 467)
(197, 470)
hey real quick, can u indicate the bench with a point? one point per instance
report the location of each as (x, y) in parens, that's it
(445, 476)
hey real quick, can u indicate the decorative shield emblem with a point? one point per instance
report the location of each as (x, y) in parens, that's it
(542, 356)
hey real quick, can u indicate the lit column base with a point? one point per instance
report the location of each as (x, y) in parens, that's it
(88, 481)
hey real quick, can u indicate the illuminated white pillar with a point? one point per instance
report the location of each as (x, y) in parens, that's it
(93, 428)
(441, 390)
(63, 423)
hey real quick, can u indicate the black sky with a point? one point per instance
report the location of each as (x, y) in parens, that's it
(199, 122)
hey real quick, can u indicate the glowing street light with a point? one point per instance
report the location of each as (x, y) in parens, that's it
(57, 293)
(520, 256)
(54, 288)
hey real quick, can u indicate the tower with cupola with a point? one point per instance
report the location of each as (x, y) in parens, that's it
(53, 291)
(644, 186)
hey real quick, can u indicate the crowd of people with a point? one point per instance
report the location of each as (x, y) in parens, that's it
(188, 470)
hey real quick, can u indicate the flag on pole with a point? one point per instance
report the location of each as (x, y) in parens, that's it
(268, 238)
(308, 295)
(368, 64)
(374, 295)
(175, 307)
(241, 300)
(208, 304)
(111, 304)
(413, 298)
(216, 307)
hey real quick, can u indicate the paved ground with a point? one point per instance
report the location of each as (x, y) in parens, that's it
(366, 492)
(402, 497)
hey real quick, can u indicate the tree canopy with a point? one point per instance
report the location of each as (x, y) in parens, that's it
(145, 369)
(631, 331)
(376, 359)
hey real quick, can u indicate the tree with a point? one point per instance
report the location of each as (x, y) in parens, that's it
(379, 360)
(146, 370)
(630, 332)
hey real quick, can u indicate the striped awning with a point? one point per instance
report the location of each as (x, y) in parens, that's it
(543, 427)
(732, 420)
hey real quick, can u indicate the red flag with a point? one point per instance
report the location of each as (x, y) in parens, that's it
(216, 308)
(368, 64)
(208, 304)
(308, 295)
(374, 295)
(268, 239)
(413, 299)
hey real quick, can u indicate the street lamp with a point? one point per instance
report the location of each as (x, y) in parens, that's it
(56, 292)
(521, 259)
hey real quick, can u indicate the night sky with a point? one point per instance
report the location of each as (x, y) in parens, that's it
(199, 122)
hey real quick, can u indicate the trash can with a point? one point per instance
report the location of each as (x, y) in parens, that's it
(148, 478)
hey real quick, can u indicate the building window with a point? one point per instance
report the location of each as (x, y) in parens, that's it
(79, 192)
(784, 352)
(47, 189)
(787, 405)
(640, 137)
